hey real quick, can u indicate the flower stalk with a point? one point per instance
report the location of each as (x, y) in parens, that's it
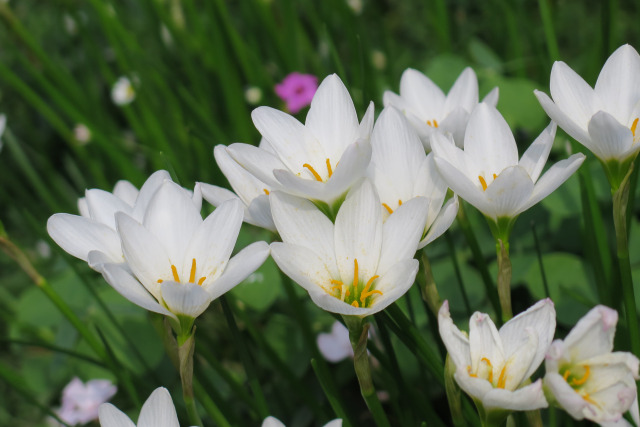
(620, 202)
(358, 335)
(504, 278)
(186, 347)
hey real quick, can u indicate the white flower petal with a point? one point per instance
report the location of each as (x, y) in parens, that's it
(246, 186)
(463, 93)
(461, 185)
(358, 232)
(489, 141)
(78, 236)
(456, 124)
(144, 253)
(335, 346)
(217, 195)
(424, 96)
(394, 283)
(272, 422)
(572, 94)
(294, 144)
(334, 305)
(618, 84)
(402, 232)
(260, 163)
(509, 191)
(534, 159)
(492, 97)
(430, 184)
(527, 398)
(126, 191)
(148, 189)
(212, 243)
(173, 218)
(110, 416)
(541, 317)
(187, 299)
(390, 99)
(260, 213)
(351, 169)
(593, 334)
(239, 268)
(127, 286)
(552, 179)
(158, 410)
(334, 423)
(473, 386)
(442, 222)
(456, 342)
(332, 117)
(611, 137)
(577, 131)
(366, 125)
(484, 341)
(567, 398)
(299, 222)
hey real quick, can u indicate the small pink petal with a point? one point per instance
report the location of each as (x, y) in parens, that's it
(297, 90)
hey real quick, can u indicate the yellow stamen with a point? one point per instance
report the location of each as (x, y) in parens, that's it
(485, 360)
(201, 281)
(329, 168)
(174, 270)
(399, 202)
(313, 171)
(502, 379)
(265, 191)
(192, 275)
(160, 280)
(366, 293)
(355, 304)
(633, 127)
(495, 176)
(435, 123)
(585, 377)
(336, 282)
(469, 372)
(566, 374)
(355, 274)
(482, 182)
(384, 205)
(589, 399)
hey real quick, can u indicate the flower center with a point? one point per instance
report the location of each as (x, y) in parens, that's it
(192, 274)
(315, 174)
(356, 294)
(386, 206)
(483, 182)
(433, 124)
(576, 377)
(485, 371)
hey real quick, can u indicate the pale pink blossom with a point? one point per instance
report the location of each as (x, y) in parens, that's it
(297, 90)
(80, 401)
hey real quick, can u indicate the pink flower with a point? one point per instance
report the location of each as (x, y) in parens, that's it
(80, 401)
(297, 90)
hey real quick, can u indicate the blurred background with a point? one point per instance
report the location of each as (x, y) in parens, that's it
(197, 69)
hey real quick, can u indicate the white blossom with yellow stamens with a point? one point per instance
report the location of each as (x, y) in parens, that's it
(319, 160)
(430, 111)
(605, 118)
(583, 375)
(488, 174)
(253, 193)
(357, 266)
(176, 263)
(493, 366)
(401, 170)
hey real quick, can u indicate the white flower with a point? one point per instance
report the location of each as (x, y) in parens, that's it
(80, 401)
(586, 379)
(82, 133)
(357, 266)
(253, 95)
(319, 160)
(157, 411)
(604, 119)
(253, 193)
(335, 345)
(92, 236)
(176, 263)
(494, 366)
(489, 175)
(430, 111)
(274, 422)
(122, 92)
(400, 170)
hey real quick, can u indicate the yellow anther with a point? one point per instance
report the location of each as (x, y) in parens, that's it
(366, 293)
(160, 280)
(433, 123)
(355, 304)
(192, 275)
(469, 372)
(585, 377)
(399, 202)
(329, 168)
(265, 191)
(201, 281)
(633, 127)
(482, 182)
(566, 374)
(488, 362)
(355, 273)
(174, 270)
(313, 171)
(502, 379)
(495, 176)
(386, 206)
(336, 282)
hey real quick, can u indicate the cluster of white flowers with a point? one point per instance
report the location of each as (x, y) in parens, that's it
(352, 203)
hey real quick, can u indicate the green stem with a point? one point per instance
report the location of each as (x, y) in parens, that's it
(428, 287)
(620, 201)
(504, 279)
(456, 269)
(539, 253)
(186, 347)
(549, 31)
(358, 335)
